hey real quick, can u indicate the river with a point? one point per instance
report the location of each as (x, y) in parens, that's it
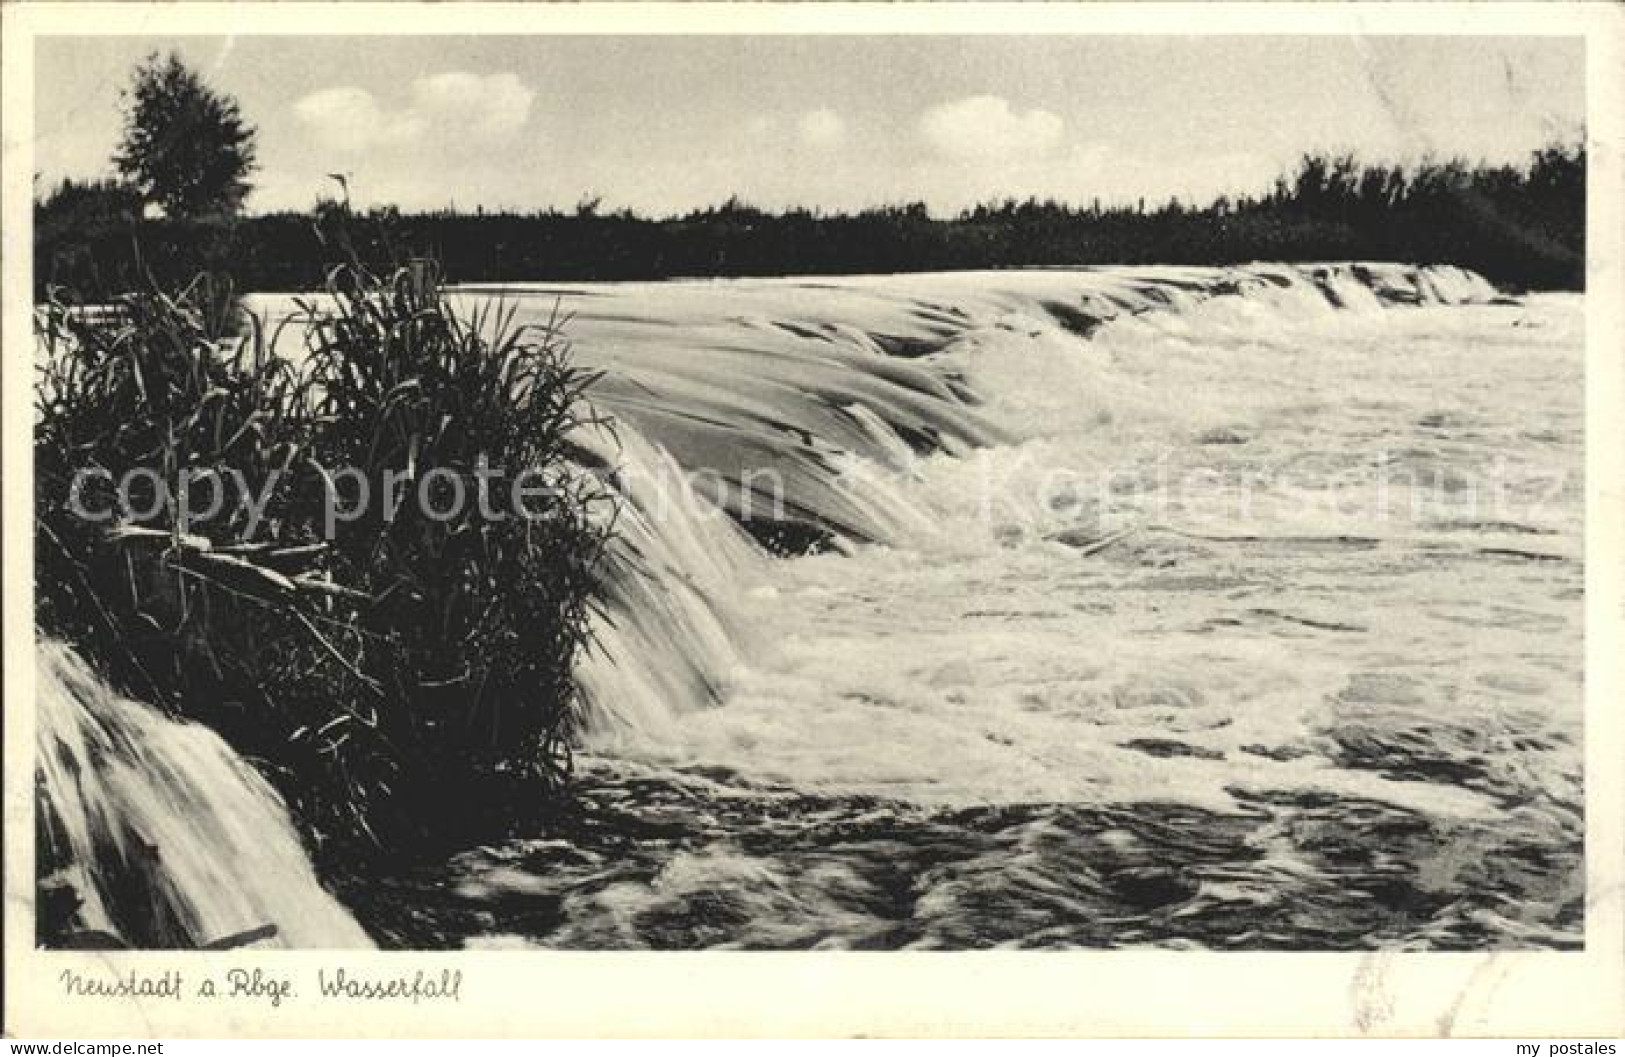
(1219, 608)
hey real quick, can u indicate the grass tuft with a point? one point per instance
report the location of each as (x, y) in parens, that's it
(401, 675)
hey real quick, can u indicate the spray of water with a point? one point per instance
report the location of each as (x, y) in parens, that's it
(168, 838)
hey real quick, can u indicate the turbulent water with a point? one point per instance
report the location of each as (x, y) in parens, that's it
(159, 835)
(1231, 608)
(1222, 608)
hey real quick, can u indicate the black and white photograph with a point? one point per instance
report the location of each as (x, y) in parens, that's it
(893, 492)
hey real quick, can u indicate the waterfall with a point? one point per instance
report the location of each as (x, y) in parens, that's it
(165, 836)
(782, 410)
(668, 634)
(753, 417)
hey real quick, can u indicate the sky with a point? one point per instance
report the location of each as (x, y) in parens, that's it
(662, 124)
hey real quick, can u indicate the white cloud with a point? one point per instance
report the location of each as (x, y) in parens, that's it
(986, 128)
(821, 128)
(487, 108)
(350, 118)
(454, 108)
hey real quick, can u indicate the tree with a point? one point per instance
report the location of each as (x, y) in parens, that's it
(185, 147)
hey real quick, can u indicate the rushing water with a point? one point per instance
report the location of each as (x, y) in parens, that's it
(1229, 608)
(158, 835)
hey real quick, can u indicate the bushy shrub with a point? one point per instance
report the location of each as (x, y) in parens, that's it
(475, 620)
(399, 678)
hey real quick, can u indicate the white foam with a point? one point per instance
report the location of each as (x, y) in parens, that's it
(199, 838)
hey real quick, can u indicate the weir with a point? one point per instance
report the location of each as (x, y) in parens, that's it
(776, 401)
(753, 417)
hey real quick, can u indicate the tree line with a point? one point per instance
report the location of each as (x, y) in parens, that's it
(1522, 227)
(187, 155)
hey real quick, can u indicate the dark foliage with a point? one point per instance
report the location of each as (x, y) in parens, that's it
(73, 224)
(400, 679)
(186, 147)
(1521, 227)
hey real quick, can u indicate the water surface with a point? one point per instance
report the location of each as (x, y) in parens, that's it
(1176, 607)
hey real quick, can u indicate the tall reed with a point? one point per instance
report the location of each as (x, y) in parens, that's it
(400, 679)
